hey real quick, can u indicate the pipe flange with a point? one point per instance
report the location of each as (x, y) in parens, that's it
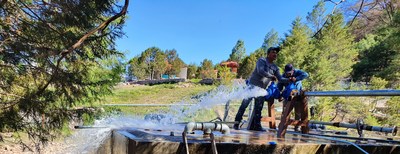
(394, 131)
(360, 126)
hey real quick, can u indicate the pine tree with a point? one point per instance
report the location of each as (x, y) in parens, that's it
(53, 56)
(334, 56)
(270, 40)
(247, 66)
(296, 46)
(238, 52)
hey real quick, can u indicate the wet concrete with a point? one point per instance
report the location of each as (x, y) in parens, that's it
(239, 141)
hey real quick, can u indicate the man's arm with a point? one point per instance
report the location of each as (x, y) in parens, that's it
(300, 75)
(280, 78)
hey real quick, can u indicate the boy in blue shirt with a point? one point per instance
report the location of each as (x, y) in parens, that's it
(295, 76)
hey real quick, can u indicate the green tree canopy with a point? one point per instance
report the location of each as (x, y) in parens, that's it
(238, 52)
(192, 71)
(174, 62)
(247, 66)
(296, 45)
(207, 69)
(334, 55)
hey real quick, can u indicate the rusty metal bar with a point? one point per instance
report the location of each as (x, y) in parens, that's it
(213, 145)
(345, 93)
(184, 138)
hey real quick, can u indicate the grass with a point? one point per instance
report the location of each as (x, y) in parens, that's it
(156, 94)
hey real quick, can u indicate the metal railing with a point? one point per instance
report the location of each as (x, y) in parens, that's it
(345, 93)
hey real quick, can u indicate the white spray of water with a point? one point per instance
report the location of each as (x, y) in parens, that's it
(220, 96)
(87, 140)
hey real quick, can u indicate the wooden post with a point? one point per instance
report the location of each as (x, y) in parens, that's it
(285, 118)
(304, 115)
(271, 114)
(301, 104)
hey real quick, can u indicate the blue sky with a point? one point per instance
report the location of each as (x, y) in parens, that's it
(207, 28)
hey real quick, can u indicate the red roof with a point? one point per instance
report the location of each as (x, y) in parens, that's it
(230, 64)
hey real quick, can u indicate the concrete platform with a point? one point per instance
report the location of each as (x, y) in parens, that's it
(166, 141)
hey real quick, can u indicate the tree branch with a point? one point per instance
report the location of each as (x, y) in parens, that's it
(101, 27)
(81, 40)
(327, 19)
(359, 10)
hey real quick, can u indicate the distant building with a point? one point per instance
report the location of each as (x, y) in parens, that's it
(183, 73)
(232, 65)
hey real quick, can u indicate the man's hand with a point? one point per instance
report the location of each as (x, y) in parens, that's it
(273, 78)
(293, 79)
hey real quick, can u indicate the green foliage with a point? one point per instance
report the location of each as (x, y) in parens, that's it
(393, 110)
(270, 40)
(174, 62)
(225, 74)
(296, 46)
(380, 54)
(333, 57)
(238, 52)
(153, 62)
(192, 71)
(52, 60)
(88, 119)
(247, 66)
(377, 83)
(207, 69)
(137, 68)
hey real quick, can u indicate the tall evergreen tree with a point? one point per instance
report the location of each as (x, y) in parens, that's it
(271, 40)
(296, 45)
(247, 66)
(334, 55)
(238, 52)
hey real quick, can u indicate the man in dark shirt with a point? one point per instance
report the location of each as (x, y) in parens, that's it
(265, 72)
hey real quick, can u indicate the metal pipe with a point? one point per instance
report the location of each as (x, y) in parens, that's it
(213, 145)
(354, 93)
(184, 138)
(156, 105)
(392, 130)
(207, 127)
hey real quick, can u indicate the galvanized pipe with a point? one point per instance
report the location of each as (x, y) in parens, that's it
(354, 93)
(392, 130)
(213, 145)
(207, 127)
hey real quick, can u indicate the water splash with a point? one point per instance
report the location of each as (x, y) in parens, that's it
(88, 140)
(220, 96)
